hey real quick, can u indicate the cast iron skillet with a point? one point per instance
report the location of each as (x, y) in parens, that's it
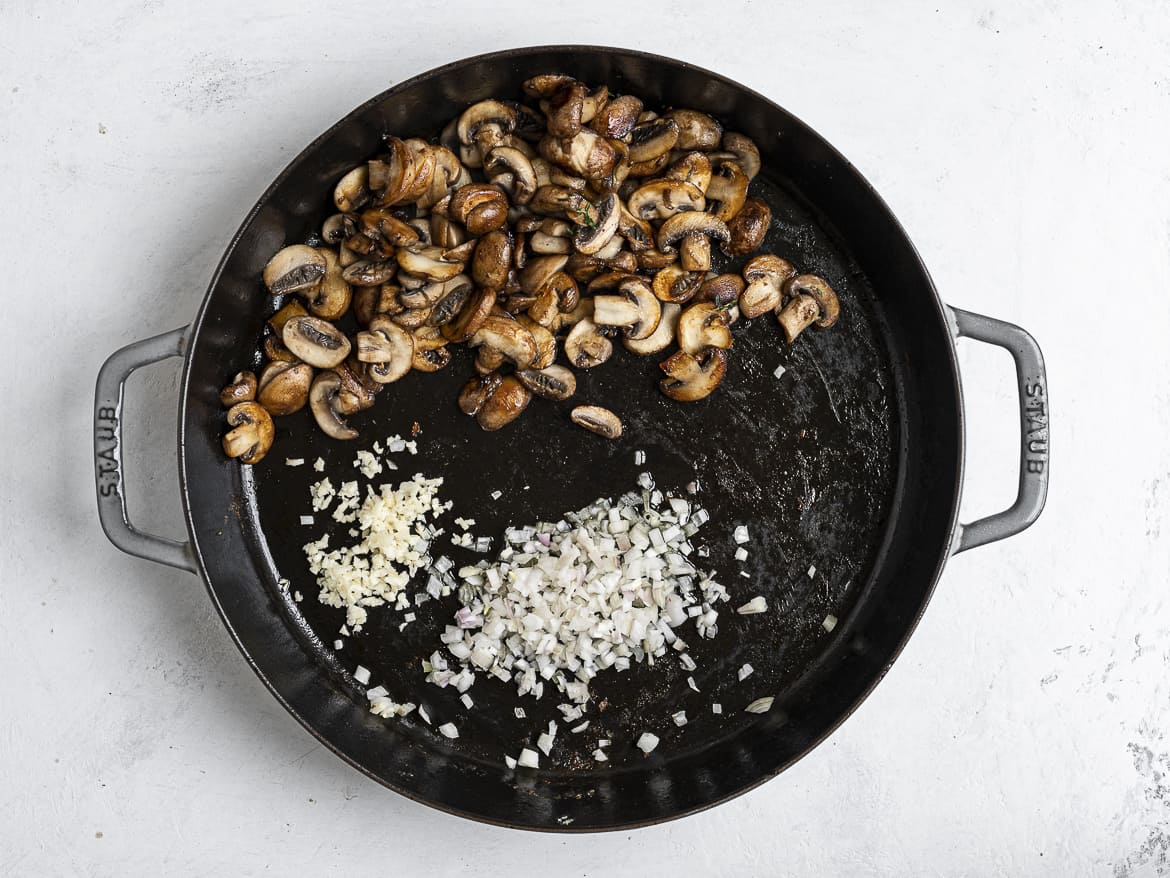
(847, 470)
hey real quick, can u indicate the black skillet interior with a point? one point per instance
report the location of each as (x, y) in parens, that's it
(814, 462)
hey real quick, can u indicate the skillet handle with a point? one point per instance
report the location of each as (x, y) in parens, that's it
(1032, 383)
(107, 448)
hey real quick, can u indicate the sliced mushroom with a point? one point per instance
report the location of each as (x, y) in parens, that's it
(591, 238)
(618, 117)
(511, 170)
(546, 342)
(316, 341)
(331, 298)
(322, 396)
(554, 237)
(425, 294)
(293, 269)
(692, 232)
(456, 294)
(702, 325)
(648, 168)
(446, 232)
(563, 108)
(695, 130)
(486, 124)
(748, 227)
(586, 153)
(251, 434)
(585, 346)
(765, 275)
(503, 405)
(461, 253)
(809, 299)
(661, 199)
(370, 274)
(274, 349)
(570, 318)
(352, 190)
(539, 272)
(552, 382)
(673, 284)
(338, 227)
(693, 377)
(471, 316)
(370, 301)
(428, 262)
(241, 389)
(597, 420)
(654, 259)
(747, 154)
(389, 346)
(636, 231)
(284, 387)
(381, 223)
(663, 335)
(727, 191)
(722, 290)
(481, 207)
(693, 168)
(492, 260)
(562, 201)
(652, 139)
(635, 309)
(508, 337)
(798, 314)
(412, 318)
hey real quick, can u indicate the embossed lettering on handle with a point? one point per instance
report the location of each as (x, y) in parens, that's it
(107, 450)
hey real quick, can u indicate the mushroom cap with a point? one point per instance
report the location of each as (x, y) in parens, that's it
(682, 225)
(693, 377)
(352, 190)
(693, 168)
(430, 359)
(816, 287)
(503, 405)
(316, 341)
(322, 396)
(457, 292)
(702, 325)
(540, 271)
(674, 284)
(292, 269)
(618, 117)
(284, 387)
(241, 389)
(492, 260)
(331, 298)
(651, 140)
(251, 434)
(546, 342)
(597, 420)
(721, 289)
(476, 391)
(695, 130)
(370, 273)
(662, 199)
(586, 153)
(748, 227)
(800, 312)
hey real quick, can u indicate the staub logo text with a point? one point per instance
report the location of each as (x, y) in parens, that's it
(106, 448)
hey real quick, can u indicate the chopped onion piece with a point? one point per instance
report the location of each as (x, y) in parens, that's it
(510, 762)
(600, 756)
(760, 705)
(544, 743)
(448, 730)
(603, 742)
(294, 461)
(830, 622)
(758, 604)
(745, 672)
(467, 702)
(680, 718)
(779, 371)
(691, 682)
(716, 707)
(639, 457)
(520, 714)
(529, 758)
(362, 675)
(741, 554)
(647, 742)
(426, 717)
(740, 534)
(812, 571)
(338, 644)
(578, 729)
(306, 519)
(496, 495)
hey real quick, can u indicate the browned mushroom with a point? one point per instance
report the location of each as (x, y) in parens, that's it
(673, 284)
(702, 325)
(634, 309)
(692, 233)
(503, 405)
(508, 337)
(722, 290)
(321, 398)
(693, 377)
(695, 130)
(241, 389)
(471, 316)
(727, 190)
(492, 260)
(586, 346)
(597, 420)
(294, 269)
(284, 387)
(747, 155)
(748, 227)
(661, 338)
(551, 382)
(660, 199)
(387, 345)
(585, 153)
(808, 299)
(251, 434)
(481, 207)
(317, 342)
(765, 275)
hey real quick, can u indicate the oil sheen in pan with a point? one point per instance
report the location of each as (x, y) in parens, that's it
(806, 460)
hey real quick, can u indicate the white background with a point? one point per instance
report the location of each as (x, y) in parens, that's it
(1025, 147)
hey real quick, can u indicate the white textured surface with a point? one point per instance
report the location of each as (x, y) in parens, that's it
(1024, 146)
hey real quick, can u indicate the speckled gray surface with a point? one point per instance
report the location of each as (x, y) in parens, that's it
(1023, 731)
